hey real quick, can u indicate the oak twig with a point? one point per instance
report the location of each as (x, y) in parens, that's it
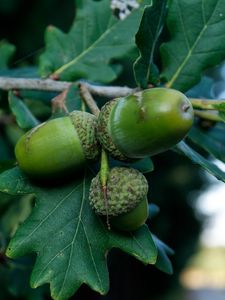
(88, 99)
(58, 102)
(50, 85)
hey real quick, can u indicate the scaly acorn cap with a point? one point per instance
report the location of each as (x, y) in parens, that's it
(103, 131)
(85, 124)
(126, 188)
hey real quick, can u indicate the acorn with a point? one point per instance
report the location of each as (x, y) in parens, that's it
(125, 202)
(58, 147)
(145, 123)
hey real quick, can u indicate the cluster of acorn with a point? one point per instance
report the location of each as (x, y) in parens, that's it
(132, 127)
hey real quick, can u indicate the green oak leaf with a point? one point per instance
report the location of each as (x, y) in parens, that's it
(212, 145)
(24, 117)
(7, 50)
(222, 116)
(163, 262)
(221, 110)
(197, 41)
(71, 242)
(96, 39)
(220, 107)
(198, 159)
(147, 39)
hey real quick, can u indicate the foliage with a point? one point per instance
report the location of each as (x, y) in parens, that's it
(71, 243)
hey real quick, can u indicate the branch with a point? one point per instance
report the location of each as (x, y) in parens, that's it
(110, 91)
(10, 83)
(88, 99)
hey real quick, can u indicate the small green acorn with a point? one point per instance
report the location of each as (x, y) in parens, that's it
(125, 201)
(145, 123)
(58, 147)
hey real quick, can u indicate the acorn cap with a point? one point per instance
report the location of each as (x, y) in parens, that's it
(103, 131)
(85, 125)
(126, 188)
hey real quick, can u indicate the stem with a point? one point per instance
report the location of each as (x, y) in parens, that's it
(83, 106)
(88, 99)
(10, 83)
(59, 102)
(104, 171)
(209, 104)
(208, 115)
(104, 168)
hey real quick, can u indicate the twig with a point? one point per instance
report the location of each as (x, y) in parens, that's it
(59, 102)
(110, 91)
(88, 99)
(10, 83)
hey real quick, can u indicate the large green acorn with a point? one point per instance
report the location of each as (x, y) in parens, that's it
(125, 201)
(58, 147)
(145, 123)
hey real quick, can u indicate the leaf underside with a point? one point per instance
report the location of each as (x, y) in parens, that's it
(71, 242)
(197, 41)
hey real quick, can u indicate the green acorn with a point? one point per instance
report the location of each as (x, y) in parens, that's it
(145, 123)
(58, 147)
(126, 189)
(133, 219)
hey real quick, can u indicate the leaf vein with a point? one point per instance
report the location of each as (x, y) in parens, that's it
(48, 215)
(92, 257)
(73, 241)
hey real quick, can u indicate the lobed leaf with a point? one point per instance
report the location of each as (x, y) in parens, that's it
(71, 242)
(197, 41)
(96, 39)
